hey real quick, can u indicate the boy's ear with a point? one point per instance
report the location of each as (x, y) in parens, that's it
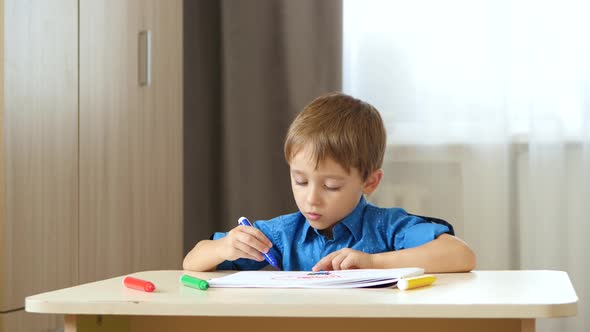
(372, 181)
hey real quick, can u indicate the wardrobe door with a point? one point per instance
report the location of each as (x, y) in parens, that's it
(21, 321)
(130, 136)
(39, 163)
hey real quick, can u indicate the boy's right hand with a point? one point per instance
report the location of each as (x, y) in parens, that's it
(244, 242)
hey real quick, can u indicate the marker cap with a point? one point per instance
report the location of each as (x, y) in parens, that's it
(142, 285)
(194, 282)
(415, 282)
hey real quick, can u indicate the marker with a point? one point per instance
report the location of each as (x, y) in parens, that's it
(193, 282)
(268, 256)
(415, 282)
(138, 284)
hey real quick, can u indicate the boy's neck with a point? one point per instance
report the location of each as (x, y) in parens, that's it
(328, 233)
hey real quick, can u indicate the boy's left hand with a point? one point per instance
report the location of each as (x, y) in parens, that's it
(344, 259)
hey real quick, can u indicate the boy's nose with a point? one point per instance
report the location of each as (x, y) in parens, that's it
(313, 197)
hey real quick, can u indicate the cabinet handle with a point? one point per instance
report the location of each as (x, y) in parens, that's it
(145, 58)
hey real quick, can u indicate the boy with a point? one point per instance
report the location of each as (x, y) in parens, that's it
(335, 149)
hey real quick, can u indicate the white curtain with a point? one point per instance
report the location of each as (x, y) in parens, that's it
(487, 107)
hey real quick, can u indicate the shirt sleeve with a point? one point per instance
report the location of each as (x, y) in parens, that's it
(413, 231)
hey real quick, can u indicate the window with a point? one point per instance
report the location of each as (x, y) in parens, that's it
(458, 71)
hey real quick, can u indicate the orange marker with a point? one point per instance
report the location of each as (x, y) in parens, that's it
(138, 284)
(415, 282)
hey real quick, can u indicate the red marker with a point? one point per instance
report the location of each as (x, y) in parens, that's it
(138, 284)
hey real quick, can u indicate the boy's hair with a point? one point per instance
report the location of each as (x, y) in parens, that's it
(341, 127)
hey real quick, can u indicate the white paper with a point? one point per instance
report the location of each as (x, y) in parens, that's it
(306, 279)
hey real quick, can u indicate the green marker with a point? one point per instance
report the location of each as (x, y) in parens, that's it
(193, 282)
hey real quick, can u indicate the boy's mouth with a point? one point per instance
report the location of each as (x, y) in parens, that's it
(313, 216)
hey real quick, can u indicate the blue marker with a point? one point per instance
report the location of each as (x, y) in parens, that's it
(268, 256)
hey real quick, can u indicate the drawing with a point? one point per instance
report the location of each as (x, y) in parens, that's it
(311, 275)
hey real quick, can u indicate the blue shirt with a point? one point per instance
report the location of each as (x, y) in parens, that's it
(298, 247)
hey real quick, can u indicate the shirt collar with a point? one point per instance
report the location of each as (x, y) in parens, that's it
(352, 222)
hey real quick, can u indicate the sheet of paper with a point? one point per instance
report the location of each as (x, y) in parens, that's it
(325, 279)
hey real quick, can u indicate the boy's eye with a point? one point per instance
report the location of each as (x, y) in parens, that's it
(331, 188)
(300, 183)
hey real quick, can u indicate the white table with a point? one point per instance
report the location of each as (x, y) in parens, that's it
(477, 301)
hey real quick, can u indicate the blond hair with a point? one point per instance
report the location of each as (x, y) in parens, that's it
(338, 126)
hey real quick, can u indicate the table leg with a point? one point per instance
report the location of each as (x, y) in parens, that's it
(70, 323)
(527, 325)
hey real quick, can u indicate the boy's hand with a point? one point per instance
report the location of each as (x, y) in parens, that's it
(345, 259)
(244, 242)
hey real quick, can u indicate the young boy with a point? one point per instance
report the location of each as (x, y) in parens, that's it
(335, 149)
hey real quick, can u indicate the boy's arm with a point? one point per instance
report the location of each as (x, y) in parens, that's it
(241, 242)
(203, 257)
(444, 254)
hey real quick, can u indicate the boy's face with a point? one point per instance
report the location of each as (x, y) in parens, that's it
(324, 195)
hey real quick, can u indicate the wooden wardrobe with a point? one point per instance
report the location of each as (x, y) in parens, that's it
(91, 126)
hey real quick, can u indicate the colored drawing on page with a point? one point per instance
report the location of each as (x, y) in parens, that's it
(310, 275)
